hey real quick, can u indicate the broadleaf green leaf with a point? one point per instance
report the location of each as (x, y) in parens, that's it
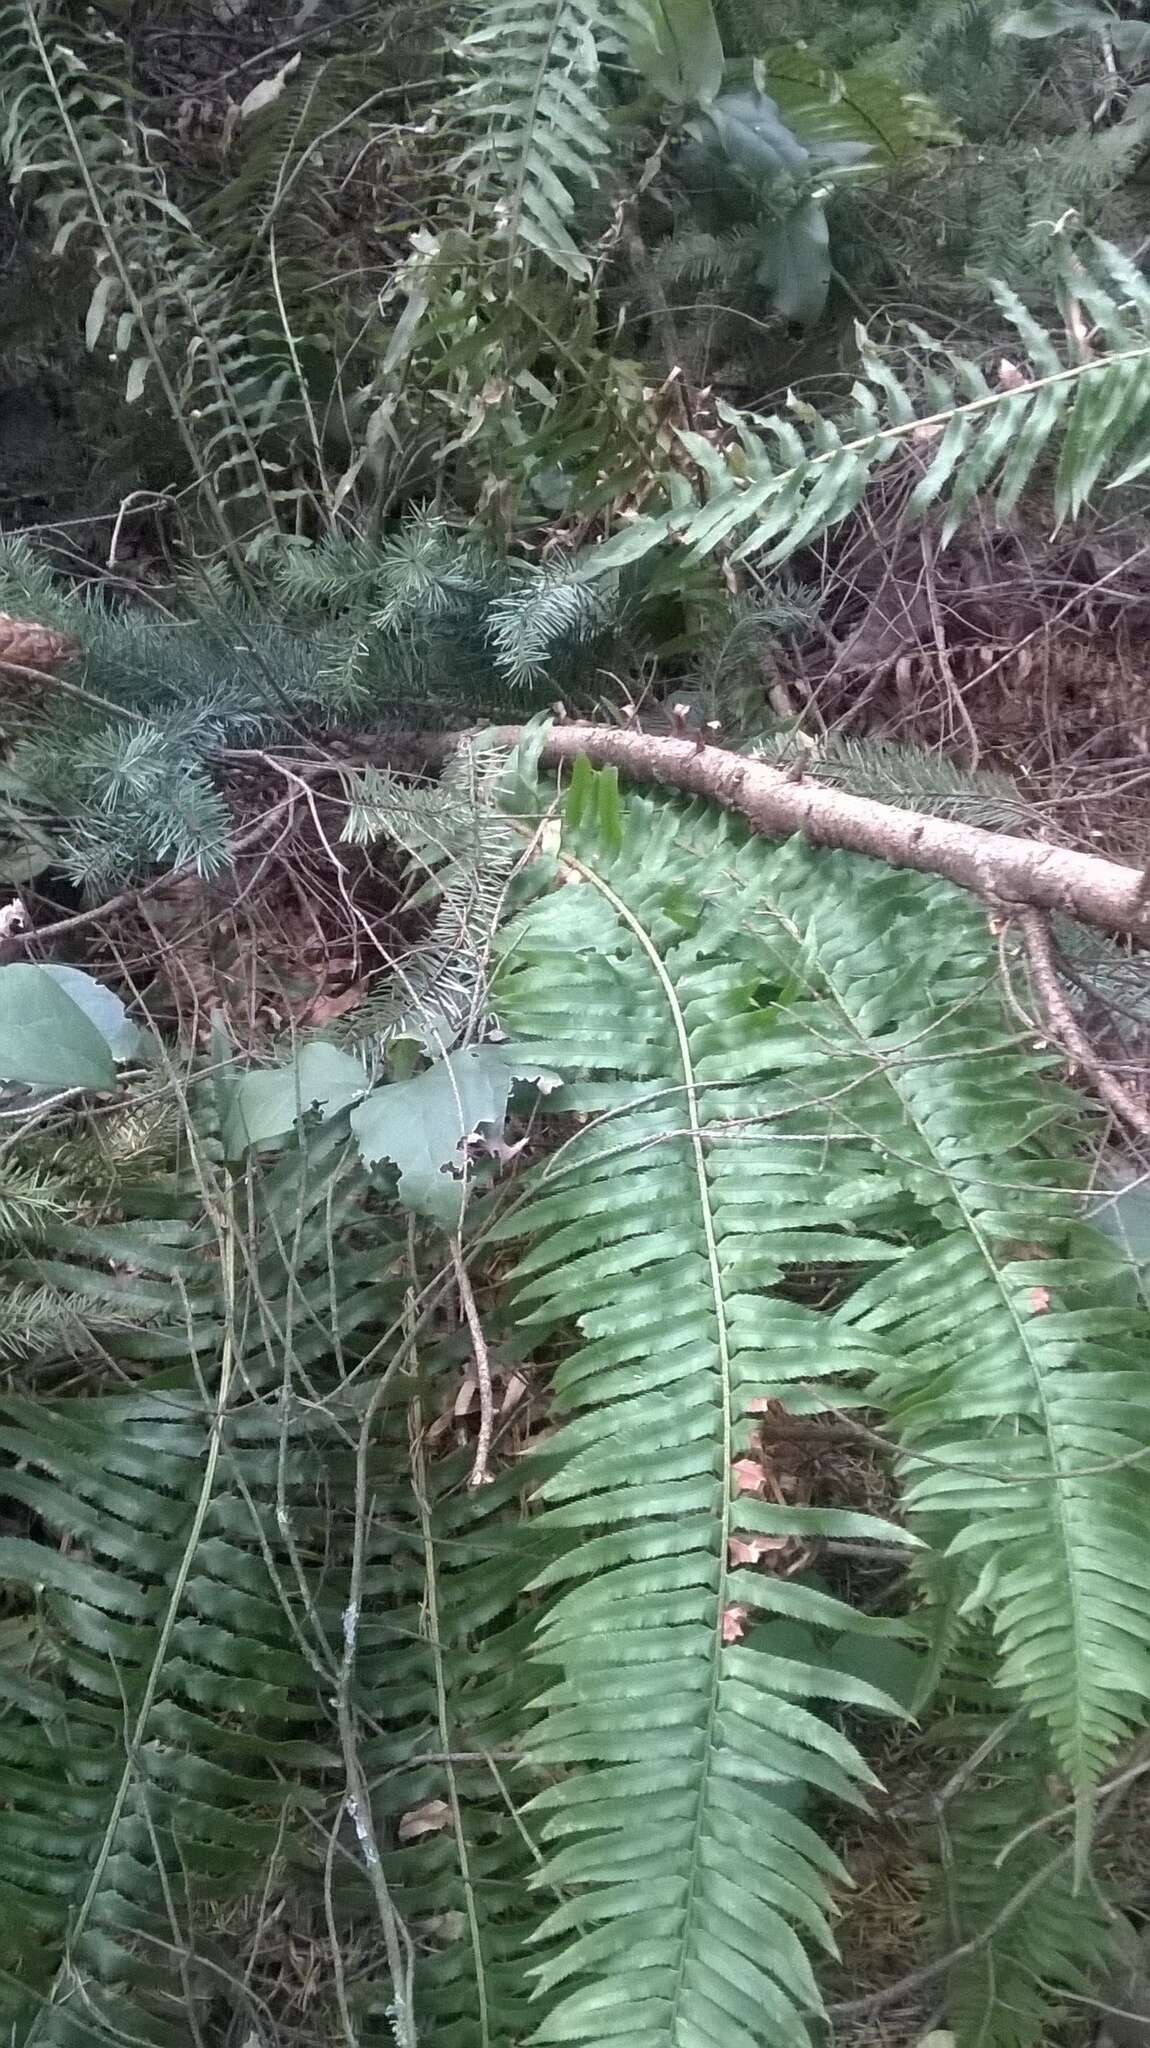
(676, 48)
(102, 1006)
(266, 1106)
(46, 1039)
(423, 1126)
(1042, 19)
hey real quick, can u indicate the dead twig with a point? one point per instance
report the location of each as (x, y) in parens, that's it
(480, 1476)
(1065, 1027)
(15, 943)
(1114, 1791)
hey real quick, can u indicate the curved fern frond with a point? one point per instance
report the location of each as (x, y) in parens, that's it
(788, 480)
(459, 837)
(1015, 1377)
(168, 1754)
(54, 106)
(688, 1739)
(784, 1061)
(862, 105)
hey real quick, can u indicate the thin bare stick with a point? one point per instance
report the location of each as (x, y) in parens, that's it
(929, 1973)
(15, 943)
(942, 651)
(53, 682)
(480, 1476)
(1065, 1027)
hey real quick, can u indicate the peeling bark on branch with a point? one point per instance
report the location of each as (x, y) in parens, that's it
(1003, 870)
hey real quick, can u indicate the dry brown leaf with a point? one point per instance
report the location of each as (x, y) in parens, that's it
(322, 1009)
(734, 1623)
(513, 1393)
(753, 1549)
(748, 1476)
(1078, 328)
(428, 1819)
(267, 92)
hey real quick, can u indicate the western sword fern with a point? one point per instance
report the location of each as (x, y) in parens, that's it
(782, 1060)
(563, 1752)
(787, 480)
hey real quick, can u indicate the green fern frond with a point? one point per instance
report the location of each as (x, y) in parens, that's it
(804, 1064)
(445, 1683)
(687, 1736)
(458, 836)
(1004, 1863)
(781, 490)
(696, 260)
(980, 79)
(1099, 972)
(543, 129)
(170, 1755)
(57, 141)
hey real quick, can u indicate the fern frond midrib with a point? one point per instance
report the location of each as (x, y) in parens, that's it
(723, 1347)
(925, 423)
(740, 498)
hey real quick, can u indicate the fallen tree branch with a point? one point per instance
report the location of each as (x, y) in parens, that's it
(1006, 872)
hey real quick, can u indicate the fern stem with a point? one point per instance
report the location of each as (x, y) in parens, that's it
(927, 425)
(397, 1941)
(516, 208)
(647, 945)
(480, 1476)
(301, 380)
(435, 1644)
